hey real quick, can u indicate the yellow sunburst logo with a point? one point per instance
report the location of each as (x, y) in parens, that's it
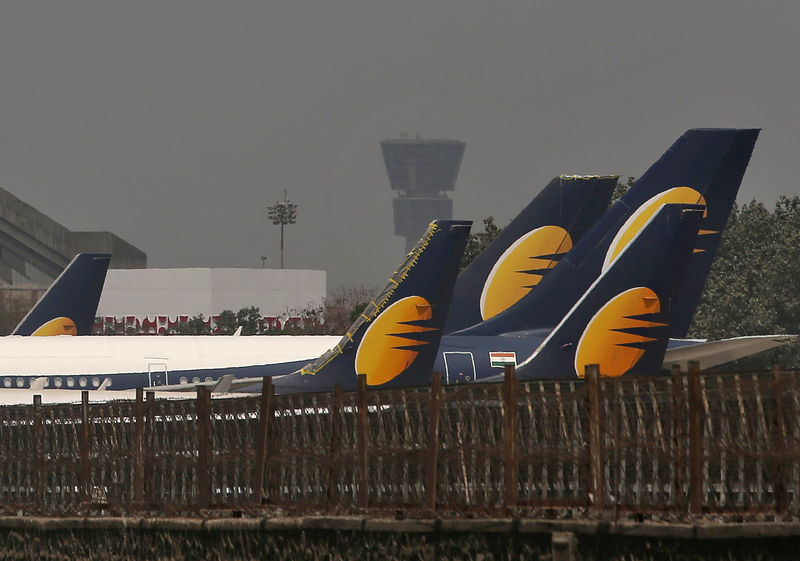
(521, 267)
(612, 338)
(57, 326)
(643, 214)
(387, 348)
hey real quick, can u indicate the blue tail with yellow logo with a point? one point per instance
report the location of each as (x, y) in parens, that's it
(622, 321)
(69, 305)
(528, 248)
(394, 341)
(704, 166)
(719, 199)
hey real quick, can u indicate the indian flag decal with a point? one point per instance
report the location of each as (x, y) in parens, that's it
(499, 359)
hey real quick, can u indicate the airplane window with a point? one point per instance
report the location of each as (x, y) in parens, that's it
(82, 382)
(107, 382)
(184, 380)
(47, 382)
(58, 382)
(208, 378)
(96, 382)
(70, 382)
(20, 382)
(196, 380)
(7, 382)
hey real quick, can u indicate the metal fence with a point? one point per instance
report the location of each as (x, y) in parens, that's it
(681, 445)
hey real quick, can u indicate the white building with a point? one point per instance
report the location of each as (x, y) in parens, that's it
(150, 294)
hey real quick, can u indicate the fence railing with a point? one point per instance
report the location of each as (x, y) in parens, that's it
(683, 444)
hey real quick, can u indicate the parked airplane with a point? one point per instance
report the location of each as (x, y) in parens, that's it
(713, 162)
(568, 203)
(413, 309)
(128, 362)
(69, 305)
(619, 323)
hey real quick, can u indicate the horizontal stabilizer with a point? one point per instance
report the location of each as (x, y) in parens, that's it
(713, 353)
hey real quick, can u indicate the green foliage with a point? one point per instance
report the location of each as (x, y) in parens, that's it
(754, 284)
(195, 326)
(356, 311)
(249, 319)
(479, 240)
(621, 188)
(343, 306)
(226, 323)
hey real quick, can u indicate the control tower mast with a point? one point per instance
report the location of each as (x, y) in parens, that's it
(421, 172)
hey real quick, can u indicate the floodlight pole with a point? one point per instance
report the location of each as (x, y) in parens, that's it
(282, 213)
(282, 225)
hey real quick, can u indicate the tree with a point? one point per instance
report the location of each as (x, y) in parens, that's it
(621, 188)
(478, 241)
(195, 326)
(226, 322)
(754, 284)
(249, 319)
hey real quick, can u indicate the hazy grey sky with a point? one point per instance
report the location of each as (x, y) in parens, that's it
(174, 124)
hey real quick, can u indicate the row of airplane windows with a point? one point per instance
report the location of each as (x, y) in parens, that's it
(82, 382)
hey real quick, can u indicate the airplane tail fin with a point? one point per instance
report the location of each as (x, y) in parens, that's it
(69, 305)
(528, 248)
(621, 322)
(719, 197)
(395, 339)
(691, 171)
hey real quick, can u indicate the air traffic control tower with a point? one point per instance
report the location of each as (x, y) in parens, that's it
(421, 172)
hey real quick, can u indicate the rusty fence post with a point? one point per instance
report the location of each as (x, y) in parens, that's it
(432, 453)
(38, 453)
(363, 495)
(596, 475)
(678, 439)
(779, 443)
(695, 440)
(264, 420)
(203, 414)
(138, 451)
(510, 406)
(333, 457)
(149, 446)
(86, 495)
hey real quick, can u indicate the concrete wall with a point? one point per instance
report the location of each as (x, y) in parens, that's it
(123, 254)
(34, 248)
(174, 292)
(345, 538)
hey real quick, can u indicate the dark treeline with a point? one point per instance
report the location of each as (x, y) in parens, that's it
(754, 284)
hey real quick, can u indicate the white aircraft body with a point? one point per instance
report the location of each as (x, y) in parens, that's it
(71, 362)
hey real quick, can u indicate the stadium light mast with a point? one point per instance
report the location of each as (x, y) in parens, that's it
(282, 212)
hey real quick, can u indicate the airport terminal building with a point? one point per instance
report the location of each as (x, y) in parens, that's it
(34, 249)
(151, 301)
